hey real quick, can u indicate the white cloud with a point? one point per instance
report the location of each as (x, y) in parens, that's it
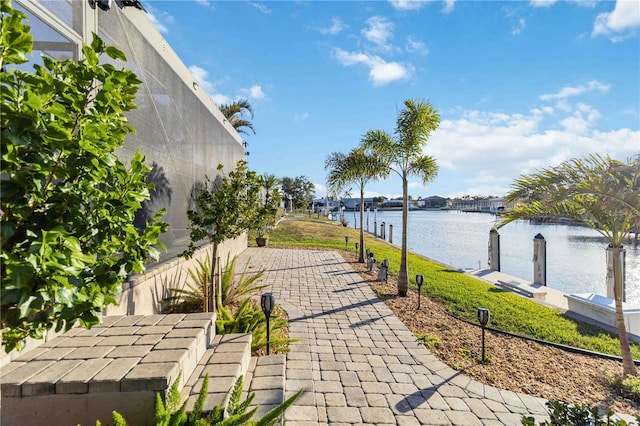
(261, 7)
(380, 71)
(160, 26)
(448, 6)
(407, 4)
(487, 150)
(623, 22)
(336, 27)
(416, 46)
(202, 77)
(518, 27)
(254, 92)
(379, 30)
(220, 99)
(542, 3)
(203, 2)
(301, 117)
(569, 91)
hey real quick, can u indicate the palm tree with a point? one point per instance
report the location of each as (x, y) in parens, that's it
(403, 154)
(358, 168)
(601, 193)
(235, 112)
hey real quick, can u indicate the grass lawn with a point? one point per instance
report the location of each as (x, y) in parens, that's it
(459, 293)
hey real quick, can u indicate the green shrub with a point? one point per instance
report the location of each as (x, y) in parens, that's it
(563, 414)
(191, 298)
(68, 203)
(169, 412)
(249, 318)
(628, 386)
(429, 340)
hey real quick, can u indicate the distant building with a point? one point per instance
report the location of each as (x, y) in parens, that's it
(398, 204)
(354, 203)
(433, 202)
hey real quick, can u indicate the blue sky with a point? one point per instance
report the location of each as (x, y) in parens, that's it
(519, 85)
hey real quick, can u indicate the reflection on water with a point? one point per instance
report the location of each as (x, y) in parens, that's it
(576, 259)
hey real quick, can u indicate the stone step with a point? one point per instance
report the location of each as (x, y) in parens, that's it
(266, 379)
(228, 358)
(83, 375)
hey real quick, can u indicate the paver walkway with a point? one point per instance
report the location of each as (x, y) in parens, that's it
(358, 363)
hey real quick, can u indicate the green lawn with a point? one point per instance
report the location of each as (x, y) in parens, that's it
(459, 293)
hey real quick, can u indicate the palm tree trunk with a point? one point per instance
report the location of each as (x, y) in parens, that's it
(403, 275)
(361, 248)
(628, 367)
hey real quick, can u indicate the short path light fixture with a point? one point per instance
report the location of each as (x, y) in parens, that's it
(419, 281)
(357, 245)
(370, 261)
(383, 271)
(346, 241)
(267, 302)
(483, 318)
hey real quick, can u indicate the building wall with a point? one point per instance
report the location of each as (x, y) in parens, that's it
(179, 129)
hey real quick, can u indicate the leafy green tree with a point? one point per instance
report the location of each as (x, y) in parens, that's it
(235, 113)
(225, 208)
(404, 156)
(601, 193)
(358, 168)
(68, 203)
(300, 191)
(270, 200)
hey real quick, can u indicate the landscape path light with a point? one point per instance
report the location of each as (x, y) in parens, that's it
(383, 271)
(370, 261)
(267, 302)
(483, 318)
(346, 241)
(419, 281)
(357, 245)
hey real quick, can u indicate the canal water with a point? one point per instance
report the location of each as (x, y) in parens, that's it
(576, 259)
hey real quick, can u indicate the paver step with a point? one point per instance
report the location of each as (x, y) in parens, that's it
(83, 375)
(266, 379)
(228, 358)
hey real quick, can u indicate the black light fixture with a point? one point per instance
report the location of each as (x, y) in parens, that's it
(267, 302)
(357, 245)
(419, 281)
(383, 272)
(346, 241)
(483, 318)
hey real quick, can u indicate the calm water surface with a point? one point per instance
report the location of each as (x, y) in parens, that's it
(576, 260)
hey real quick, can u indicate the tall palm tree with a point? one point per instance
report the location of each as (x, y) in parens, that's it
(404, 155)
(601, 193)
(358, 168)
(235, 113)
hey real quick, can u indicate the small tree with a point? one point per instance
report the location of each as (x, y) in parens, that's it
(270, 200)
(225, 208)
(234, 112)
(404, 155)
(299, 191)
(601, 193)
(68, 203)
(356, 167)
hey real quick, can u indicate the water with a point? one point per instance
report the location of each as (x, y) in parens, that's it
(576, 259)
